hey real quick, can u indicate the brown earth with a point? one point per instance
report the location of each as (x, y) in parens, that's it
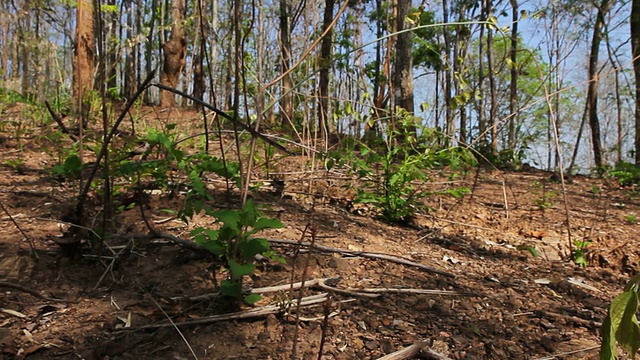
(500, 302)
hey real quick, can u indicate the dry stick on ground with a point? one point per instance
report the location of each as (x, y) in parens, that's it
(32, 246)
(191, 245)
(419, 348)
(10, 285)
(262, 290)
(371, 255)
(249, 314)
(175, 327)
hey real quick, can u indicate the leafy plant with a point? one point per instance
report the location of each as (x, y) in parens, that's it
(621, 324)
(546, 200)
(70, 168)
(235, 243)
(579, 253)
(391, 171)
(626, 173)
(631, 219)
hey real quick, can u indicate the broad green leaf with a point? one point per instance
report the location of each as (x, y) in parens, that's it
(230, 218)
(265, 223)
(239, 270)
(251, 247)
(231, 288)
(628, 331)
(252, 299)
(608, 346)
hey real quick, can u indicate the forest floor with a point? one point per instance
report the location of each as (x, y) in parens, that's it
(484, 295)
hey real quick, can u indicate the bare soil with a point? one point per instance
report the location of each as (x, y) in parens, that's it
(500, 302)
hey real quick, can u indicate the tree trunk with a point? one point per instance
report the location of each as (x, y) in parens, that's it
(286, 101)
(174, 53)
(325, 66)
(450, 126)
(592, 92)
(513, 86)
(635, 46)
(403, 74)
(84, 68)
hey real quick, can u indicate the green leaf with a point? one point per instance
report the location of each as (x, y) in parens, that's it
(249, 214)
(231, 288)
(252, 246)
(628, 331)
(265, 223)
(532, 250)
(608, 346)
(252, 299)
(230, 218)
(239, 270)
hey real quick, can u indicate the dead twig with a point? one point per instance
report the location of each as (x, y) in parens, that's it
(253, 313)
(32, 246)
(371, 255)
(262, 290)
(10, 285)
(413, 350)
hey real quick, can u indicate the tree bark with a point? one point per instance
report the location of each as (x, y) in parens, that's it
(325, 66)
(513, 86)
(635, 46)
(286, 101)
(592, 92)
(174, 53)
(403, 74)
(84, 61)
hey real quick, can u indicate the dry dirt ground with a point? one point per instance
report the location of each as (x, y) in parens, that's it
(479, 295)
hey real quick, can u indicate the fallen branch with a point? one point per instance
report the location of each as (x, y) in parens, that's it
(370, 255)
(191, 245)
(415, 291)
(419, 348)
(262, 290)
(10, 285)
(253, 313)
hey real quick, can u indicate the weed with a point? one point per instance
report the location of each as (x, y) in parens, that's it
(579, 253)
(631, 219)
(546, 200)
(235, 243)
(390, 170)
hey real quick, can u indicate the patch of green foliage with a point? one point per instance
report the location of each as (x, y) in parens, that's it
(621, 327)
(234, 242)
(579, 254)
(626, 173)
(391, 170)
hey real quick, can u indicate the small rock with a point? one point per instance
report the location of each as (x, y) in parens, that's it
(371, 345)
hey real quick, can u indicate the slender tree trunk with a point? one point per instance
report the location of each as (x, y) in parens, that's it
(450, 126)
(174, 53)
(635, 46)
(286, 100)
(149, 46)
(513, 86)
(325, 65)
(84, 66)
(403, 71)
(493, 104)
(592, 92)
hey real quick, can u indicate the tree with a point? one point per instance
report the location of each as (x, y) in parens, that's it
(286, 101)
(592, 92)
(174, 53)
(84, 62)
(403, 67)
(635, 48)
(325, 66)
